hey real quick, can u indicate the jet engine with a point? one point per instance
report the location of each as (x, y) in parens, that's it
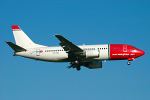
(90, 54)
(95, 65)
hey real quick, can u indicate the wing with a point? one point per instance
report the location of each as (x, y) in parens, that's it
(74, 52)
(67, 45)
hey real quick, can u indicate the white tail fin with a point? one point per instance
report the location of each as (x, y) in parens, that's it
(22, 39)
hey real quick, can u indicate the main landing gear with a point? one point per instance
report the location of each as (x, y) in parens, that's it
(75, 64)
(78, 68)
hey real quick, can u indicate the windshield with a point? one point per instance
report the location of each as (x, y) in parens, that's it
(134, 48)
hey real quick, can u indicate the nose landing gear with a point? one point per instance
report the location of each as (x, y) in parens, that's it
(128, 63)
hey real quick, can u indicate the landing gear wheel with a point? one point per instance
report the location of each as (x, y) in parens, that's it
(78, 68)
(128, 63)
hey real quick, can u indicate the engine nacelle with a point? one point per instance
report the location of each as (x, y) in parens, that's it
(92, 54)
(95, 65)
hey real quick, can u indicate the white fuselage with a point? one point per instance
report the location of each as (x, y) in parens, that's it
(57, 54)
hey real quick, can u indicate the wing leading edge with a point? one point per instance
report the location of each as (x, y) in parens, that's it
(67, 45)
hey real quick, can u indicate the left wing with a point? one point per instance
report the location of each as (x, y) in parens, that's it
(67, 45)
(74, 52)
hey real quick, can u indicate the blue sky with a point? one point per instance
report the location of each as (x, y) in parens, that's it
(82, 22)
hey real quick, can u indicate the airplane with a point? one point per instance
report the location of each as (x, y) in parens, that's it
(90, 56)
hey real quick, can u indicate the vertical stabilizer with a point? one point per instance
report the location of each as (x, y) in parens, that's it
(22, 39)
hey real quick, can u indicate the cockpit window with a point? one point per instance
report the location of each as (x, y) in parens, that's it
(134, 48)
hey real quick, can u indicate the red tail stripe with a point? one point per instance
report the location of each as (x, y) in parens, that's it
(15, 27)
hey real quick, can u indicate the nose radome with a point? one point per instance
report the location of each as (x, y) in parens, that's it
(141, 52)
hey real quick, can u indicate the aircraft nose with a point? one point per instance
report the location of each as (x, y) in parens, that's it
(141, 52)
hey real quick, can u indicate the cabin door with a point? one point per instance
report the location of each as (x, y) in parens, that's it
(37, 52)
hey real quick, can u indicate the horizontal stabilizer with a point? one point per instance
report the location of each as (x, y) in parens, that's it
(15, 47)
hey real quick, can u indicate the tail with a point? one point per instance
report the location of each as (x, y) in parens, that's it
(22, 39)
